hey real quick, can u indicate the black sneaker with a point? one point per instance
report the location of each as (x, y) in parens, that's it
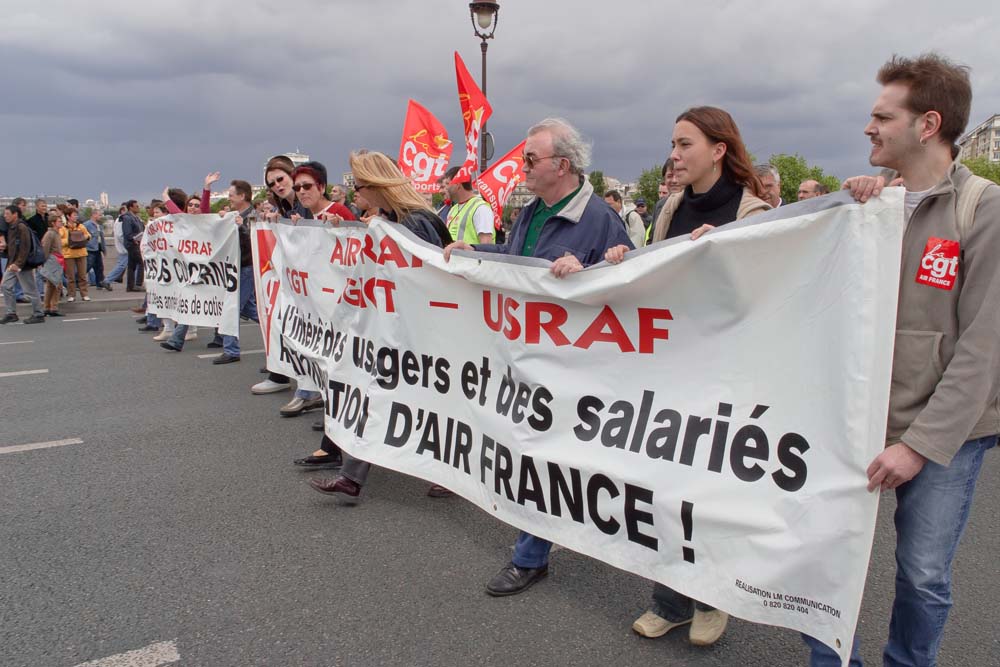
(35, 319)
(9, 318)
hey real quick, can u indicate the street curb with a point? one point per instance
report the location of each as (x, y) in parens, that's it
(112, 305)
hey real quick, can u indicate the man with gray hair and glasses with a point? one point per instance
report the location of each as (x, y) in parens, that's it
(568, 224)
(771, 180)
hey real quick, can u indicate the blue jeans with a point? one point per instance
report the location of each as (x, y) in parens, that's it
(248, 309)
(673, 605)
(530, 551)
(931, 512)
(119, 270)
(177, 337)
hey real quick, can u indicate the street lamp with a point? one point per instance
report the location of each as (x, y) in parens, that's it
(485, 16)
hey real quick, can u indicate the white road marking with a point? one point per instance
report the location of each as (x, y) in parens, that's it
(18, 342)
(81, 319)
(219, 354)
(154, 655)
(40, 445)
(16, 373)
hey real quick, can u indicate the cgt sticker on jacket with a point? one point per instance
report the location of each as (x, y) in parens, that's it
(939, 266)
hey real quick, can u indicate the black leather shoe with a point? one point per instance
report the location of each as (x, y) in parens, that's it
(326, 462)
(225, 359)
(512, 579)
(214, 343)
(343, 489)
(147, 329)
(438, 491)
(167, 345)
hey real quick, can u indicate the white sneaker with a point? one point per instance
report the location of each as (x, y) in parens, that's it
(707, 627)
(86, 298)
(163, 335)
(191, 335)
(269, 387)
(70, 299)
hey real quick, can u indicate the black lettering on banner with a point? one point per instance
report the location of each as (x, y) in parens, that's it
(621, 426)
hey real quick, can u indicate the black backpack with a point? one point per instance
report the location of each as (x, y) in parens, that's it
(35, 256)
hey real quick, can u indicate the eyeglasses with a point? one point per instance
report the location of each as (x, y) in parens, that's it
(531, 160)
(279, 179)
(359, 188)
(298, 187)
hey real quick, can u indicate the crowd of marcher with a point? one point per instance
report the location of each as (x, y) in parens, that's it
(944, 413)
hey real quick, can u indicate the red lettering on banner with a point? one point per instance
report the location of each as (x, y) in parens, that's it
(939, 264)
(357, 252)
(500, 313)
(297, 279)
(364, 293)
(596, 333)
(190, 247)
(533, 325)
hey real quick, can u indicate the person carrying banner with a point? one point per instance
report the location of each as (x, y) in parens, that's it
(470, 218)
(383, 185)
(278, 179)
(944, 404)
(711, 162)
(571, 226)
(241, 196)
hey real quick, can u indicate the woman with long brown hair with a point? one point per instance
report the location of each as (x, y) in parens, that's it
(712, 163)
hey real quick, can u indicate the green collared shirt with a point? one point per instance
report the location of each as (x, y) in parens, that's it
(540, 217)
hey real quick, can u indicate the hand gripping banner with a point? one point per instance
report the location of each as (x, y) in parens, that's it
(701, 414)
(191, 267)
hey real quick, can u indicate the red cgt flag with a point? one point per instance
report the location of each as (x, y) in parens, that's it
(475, 110)
(424, 151)
(500, 180)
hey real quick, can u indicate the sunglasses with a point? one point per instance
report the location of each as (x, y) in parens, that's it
(530, 161)
(299, 187)
(279, 179)
(359, 188)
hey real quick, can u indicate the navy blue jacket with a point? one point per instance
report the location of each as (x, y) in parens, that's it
(586, 227)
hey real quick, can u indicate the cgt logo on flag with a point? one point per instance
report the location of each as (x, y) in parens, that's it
(425, 149)
(939, 265)
(499, 181)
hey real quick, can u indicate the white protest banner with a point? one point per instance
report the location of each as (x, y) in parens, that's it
(702, 414)
(191, 265)
(301, 271)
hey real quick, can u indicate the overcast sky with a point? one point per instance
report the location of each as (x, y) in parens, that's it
(129, 97)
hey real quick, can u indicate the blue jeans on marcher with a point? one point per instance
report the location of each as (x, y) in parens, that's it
(530, 551)
(119, 269)
(932, 510)
(248, 309)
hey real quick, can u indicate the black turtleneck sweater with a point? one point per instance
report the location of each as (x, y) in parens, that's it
(716, 207)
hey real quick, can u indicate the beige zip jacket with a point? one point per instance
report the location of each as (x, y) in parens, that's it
(946, 368)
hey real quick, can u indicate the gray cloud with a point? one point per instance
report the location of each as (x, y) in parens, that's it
(97, 96)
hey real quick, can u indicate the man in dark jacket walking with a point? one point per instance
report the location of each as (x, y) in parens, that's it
(131, 234)
(18, 244)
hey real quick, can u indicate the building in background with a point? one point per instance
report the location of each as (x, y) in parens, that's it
(984, 141)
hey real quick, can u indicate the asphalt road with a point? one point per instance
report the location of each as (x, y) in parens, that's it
(180, 518)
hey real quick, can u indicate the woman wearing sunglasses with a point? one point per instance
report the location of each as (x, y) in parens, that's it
(310, 187)
(383, 185)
